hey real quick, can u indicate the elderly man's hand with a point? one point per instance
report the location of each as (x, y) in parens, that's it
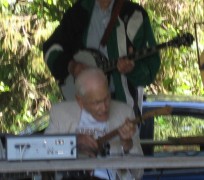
(87, 145)
(126, 132)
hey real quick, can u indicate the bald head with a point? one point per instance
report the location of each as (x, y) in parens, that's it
(89, 80)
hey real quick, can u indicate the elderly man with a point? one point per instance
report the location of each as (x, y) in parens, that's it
(94, 114)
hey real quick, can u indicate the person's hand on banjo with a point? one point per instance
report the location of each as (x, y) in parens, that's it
(125, 65)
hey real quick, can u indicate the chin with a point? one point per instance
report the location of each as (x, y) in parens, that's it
(102, 118)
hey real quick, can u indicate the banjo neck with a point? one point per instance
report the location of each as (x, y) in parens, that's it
(156, 112)
(135, 56)
(185, 40)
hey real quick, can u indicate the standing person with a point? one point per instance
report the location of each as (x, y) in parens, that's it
(83, 26)
(93, 115)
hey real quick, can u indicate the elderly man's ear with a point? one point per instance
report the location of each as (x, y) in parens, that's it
(79, 101)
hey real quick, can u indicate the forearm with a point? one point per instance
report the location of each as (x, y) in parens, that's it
(146, 69)
(136, 149)
(59, 49)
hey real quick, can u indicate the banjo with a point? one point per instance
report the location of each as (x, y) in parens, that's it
(104, 146)
(94, 58)
(103, 141)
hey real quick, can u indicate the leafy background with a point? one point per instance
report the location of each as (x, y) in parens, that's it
(27, 88)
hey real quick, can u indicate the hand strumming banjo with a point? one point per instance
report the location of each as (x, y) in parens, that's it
(102, 141)
(94, 58)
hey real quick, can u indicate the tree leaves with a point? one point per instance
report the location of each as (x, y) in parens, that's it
(170, 18)
(26, 85)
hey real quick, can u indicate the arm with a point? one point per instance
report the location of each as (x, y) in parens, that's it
(134, 148)
(121, 128)
(140, 36)
(87, 145)
(126, 133)
(145, 70)
(65, 41)
(53, 127)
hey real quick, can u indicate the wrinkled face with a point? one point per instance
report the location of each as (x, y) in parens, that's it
(96, 102)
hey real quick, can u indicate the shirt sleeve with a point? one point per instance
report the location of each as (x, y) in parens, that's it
(66, 40)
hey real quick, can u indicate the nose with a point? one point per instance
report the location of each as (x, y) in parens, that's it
(103, 106)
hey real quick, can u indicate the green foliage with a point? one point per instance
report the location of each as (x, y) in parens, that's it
(27, 88)
(177, 126)
(3, 87)
(57, 7)
(29, 84)
(179, 72)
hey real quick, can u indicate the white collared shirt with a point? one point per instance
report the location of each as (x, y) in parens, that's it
(98, 23)
(88, 125)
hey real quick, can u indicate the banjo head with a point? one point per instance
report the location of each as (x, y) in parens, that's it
(91, 57)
